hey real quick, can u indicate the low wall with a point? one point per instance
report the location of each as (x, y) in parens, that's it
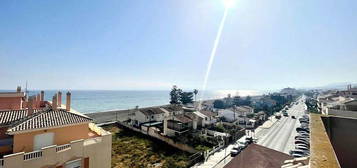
(342, 113)
(155, 134)
(110, 116)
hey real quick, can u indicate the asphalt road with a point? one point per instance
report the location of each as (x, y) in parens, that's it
(281, 135)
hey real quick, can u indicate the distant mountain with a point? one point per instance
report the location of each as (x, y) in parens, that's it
(338, 86)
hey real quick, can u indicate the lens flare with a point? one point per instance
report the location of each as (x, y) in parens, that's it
(228, 3)
(213, 54)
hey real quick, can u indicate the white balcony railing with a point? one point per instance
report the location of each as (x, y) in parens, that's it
(63, 147)
(33, 155)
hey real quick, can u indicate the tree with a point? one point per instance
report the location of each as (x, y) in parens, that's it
(218, 104)
(195, 91)
(248, 101)
(237, 100)
(186, 97)
(175, 95)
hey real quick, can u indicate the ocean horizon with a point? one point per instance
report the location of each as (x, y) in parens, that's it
(89, 101)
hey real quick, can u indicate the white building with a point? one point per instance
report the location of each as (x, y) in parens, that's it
(207, 117)
(144, 115)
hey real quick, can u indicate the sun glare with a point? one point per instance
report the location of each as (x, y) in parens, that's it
(229, 3)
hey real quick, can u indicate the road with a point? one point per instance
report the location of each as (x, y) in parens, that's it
(274, 134)
(281, 135)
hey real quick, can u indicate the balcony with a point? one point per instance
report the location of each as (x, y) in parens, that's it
(98, 149)
(177, 126)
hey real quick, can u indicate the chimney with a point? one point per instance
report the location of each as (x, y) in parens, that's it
(54, 102)
(68, 101)
(30, 106)
(18, 89)
(38, 100)
(42, 95)
(59, 96)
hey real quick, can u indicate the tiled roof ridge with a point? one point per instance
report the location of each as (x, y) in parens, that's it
(23, 114)
(27, 117)
(44, 119)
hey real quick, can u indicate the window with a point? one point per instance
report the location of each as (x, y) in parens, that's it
(43, 140)
(74, 164)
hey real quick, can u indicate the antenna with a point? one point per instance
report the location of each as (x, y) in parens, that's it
(26, 92)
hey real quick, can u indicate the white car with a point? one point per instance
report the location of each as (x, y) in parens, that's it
(298, 147)
(302, 146)
(243, 143)
(234, 152)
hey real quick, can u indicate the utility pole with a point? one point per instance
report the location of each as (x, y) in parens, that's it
(26, 92)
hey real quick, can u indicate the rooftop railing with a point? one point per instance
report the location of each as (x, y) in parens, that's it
(32, 155)
(63, 147)
(1, 163)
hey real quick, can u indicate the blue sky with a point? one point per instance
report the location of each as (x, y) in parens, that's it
(153, 44)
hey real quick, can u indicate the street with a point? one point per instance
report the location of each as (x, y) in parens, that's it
(275, 134)
(281, 135)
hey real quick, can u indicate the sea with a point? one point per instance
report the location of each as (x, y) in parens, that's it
(89, 101)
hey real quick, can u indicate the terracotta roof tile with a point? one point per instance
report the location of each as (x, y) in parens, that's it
(182, 118)
(10, 116)
(47, 119)
(151, 111)
(257, 156)
(208, 113)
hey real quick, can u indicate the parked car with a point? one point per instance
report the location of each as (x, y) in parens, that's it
(243, 143)
(302, 142)
(299, 136)
(299, 153)
(301, 148)
(285, 114)
(237, 147)
(303, 139)
(234, 152)
(304, 119)
(303, 134)
(304, 125)
(304, 122)
(302, 145)
(249, 140)
(299, 129)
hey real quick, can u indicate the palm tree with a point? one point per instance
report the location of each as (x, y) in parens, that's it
(195, 91)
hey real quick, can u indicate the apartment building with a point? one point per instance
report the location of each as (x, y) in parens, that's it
(51, 136)
(12, 100)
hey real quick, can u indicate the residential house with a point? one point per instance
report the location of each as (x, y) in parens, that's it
(244, 110)
(350, 92)
(173, 109)
(52, 137)
(146, 115)
(207, 117)
(228, 114)
(175, 125)
(343, 109)
(12, 100)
